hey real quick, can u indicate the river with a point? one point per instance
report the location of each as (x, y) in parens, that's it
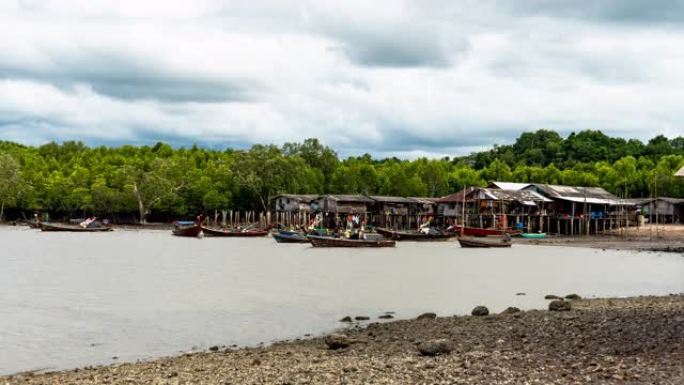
(74, 299)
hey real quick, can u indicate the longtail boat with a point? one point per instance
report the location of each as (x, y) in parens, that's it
(482, 242)
(211, 232)
(480, 232)
(533, 235)
(414, 235)
(189, 229)
(44, 226)
(318, 241)
(290, 237)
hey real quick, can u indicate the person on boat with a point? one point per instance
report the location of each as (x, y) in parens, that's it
(86, 223)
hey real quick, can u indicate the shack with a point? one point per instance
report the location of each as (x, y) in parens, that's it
(660, 210)
(502, 209)
(584, 210)
(401, 212)
(450, 207)
(336, 210)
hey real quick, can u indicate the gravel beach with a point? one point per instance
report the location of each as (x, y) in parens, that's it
(636, 340)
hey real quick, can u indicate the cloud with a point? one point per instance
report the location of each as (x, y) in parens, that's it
(619, 11)
(389, 78)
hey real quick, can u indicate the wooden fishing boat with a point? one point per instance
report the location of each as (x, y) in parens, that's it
(414, 235)
(193, 230)
(189, 229)
(480, 232)
(469, 242)
(44, 226)
(290, 237)
(211, 232)
(533, 235)
(318, 241)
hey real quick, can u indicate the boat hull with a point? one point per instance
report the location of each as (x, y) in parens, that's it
(479, 232)
(192, 231)
(290, 238)
(533, 235)
(73, 228)
(482, 243)
(413, 236)
(209, 232)
(318, 241)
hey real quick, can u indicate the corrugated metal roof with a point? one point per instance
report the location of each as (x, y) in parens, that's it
(563, 192)
(384, 199)
(424, 201)
(509, 185)
(350, 198)
(508, 195)
(455, 197)
(297, 197)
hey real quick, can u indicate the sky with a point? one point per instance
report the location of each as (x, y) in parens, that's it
(390, 78)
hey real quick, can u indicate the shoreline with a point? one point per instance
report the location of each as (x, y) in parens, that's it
(612, 340)
(667, 238)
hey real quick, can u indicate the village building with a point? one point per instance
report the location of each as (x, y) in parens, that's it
(337, 209)
(659, 210)
(584, 210)
(401, 212)
(523, 210)
(293, 209)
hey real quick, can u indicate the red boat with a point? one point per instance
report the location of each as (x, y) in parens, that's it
(191, 229)
(480, 232)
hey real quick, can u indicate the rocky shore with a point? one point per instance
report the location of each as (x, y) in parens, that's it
(599, 341)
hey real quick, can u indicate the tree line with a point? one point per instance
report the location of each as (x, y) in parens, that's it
(159, 182)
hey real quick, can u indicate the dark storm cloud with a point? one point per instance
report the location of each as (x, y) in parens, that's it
(398, 43)
(124, 79)
(619, 11)
(374, 50)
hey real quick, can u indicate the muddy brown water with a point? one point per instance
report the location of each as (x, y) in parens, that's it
(70, 300)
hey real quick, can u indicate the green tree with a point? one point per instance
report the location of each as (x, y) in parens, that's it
(10, 179)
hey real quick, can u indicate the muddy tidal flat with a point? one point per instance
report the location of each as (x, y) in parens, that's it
(638, 340)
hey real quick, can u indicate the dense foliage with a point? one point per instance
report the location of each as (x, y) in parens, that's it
(72, 179)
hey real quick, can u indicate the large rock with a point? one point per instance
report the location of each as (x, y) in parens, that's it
(511, 310)
(346, 319)
(552, 296)
(427, 316)
(560, 305)
(573, 296)
(337, 341)
(362, 318)
(434, 347)
(480, 311)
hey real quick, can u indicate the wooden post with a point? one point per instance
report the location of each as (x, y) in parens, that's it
(572, 220)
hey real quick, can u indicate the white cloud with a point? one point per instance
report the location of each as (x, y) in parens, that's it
(391, 77)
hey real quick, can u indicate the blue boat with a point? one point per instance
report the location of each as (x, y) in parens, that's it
(290, 237)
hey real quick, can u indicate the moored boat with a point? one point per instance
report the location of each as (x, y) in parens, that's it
(469, 242)
(290, 237)
(45, 226)
(480, 232)
(533, 235)
(415, 235)
(319, 241)
(211, 232)
(189, 229)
